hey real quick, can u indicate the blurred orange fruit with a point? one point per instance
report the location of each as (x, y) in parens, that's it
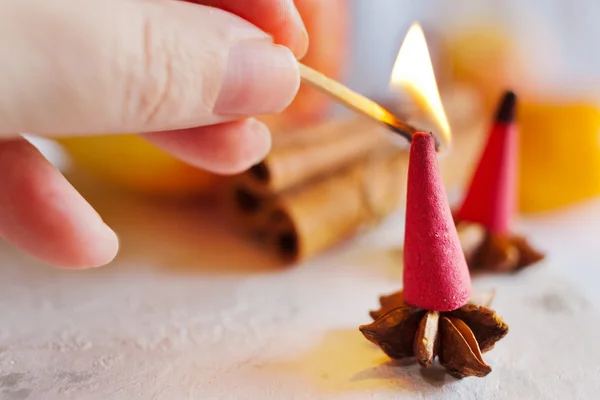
(135, 164)
(559, 155)
(485, 58)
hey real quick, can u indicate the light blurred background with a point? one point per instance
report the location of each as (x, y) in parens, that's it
(549, 47)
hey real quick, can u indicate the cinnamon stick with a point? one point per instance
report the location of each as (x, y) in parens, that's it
(322, 184)
(314, 217)
(313, 152)
(248, 207)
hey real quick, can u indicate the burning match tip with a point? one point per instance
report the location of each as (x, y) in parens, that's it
(506, 109)
(405, 131)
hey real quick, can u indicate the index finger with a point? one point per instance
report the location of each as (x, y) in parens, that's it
(280, 18)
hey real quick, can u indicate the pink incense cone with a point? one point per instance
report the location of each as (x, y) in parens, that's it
(436, 276)
(490, 200)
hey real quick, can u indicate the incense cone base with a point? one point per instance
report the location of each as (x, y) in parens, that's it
(457, 338)
(501, 253)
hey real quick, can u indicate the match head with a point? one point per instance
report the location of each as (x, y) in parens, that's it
(436, 276)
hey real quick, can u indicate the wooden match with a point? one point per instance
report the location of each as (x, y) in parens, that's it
(355, 101)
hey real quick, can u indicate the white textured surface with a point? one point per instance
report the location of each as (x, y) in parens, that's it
(188, 312)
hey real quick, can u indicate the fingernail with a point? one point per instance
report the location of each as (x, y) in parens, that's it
(105, 248)
(260, 78)
(302, 44)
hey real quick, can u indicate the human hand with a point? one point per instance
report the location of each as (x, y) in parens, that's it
(187, 73)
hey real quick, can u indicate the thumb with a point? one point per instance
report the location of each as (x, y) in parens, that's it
(88, 66)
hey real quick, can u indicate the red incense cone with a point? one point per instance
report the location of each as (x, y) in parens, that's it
(436, 276)
(490, 200)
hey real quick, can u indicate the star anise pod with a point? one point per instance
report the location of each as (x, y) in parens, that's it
(498, 253)
(457, 337)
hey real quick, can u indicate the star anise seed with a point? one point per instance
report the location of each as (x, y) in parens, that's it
(395, 331)
(460, 353)
(486, 324)
(426, 340)
(458, 337)
(497, 252)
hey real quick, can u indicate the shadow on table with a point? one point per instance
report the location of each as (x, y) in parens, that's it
(344, 361)
(190, 236)
(185, 236)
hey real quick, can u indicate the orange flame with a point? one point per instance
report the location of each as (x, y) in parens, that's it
(413, 71)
